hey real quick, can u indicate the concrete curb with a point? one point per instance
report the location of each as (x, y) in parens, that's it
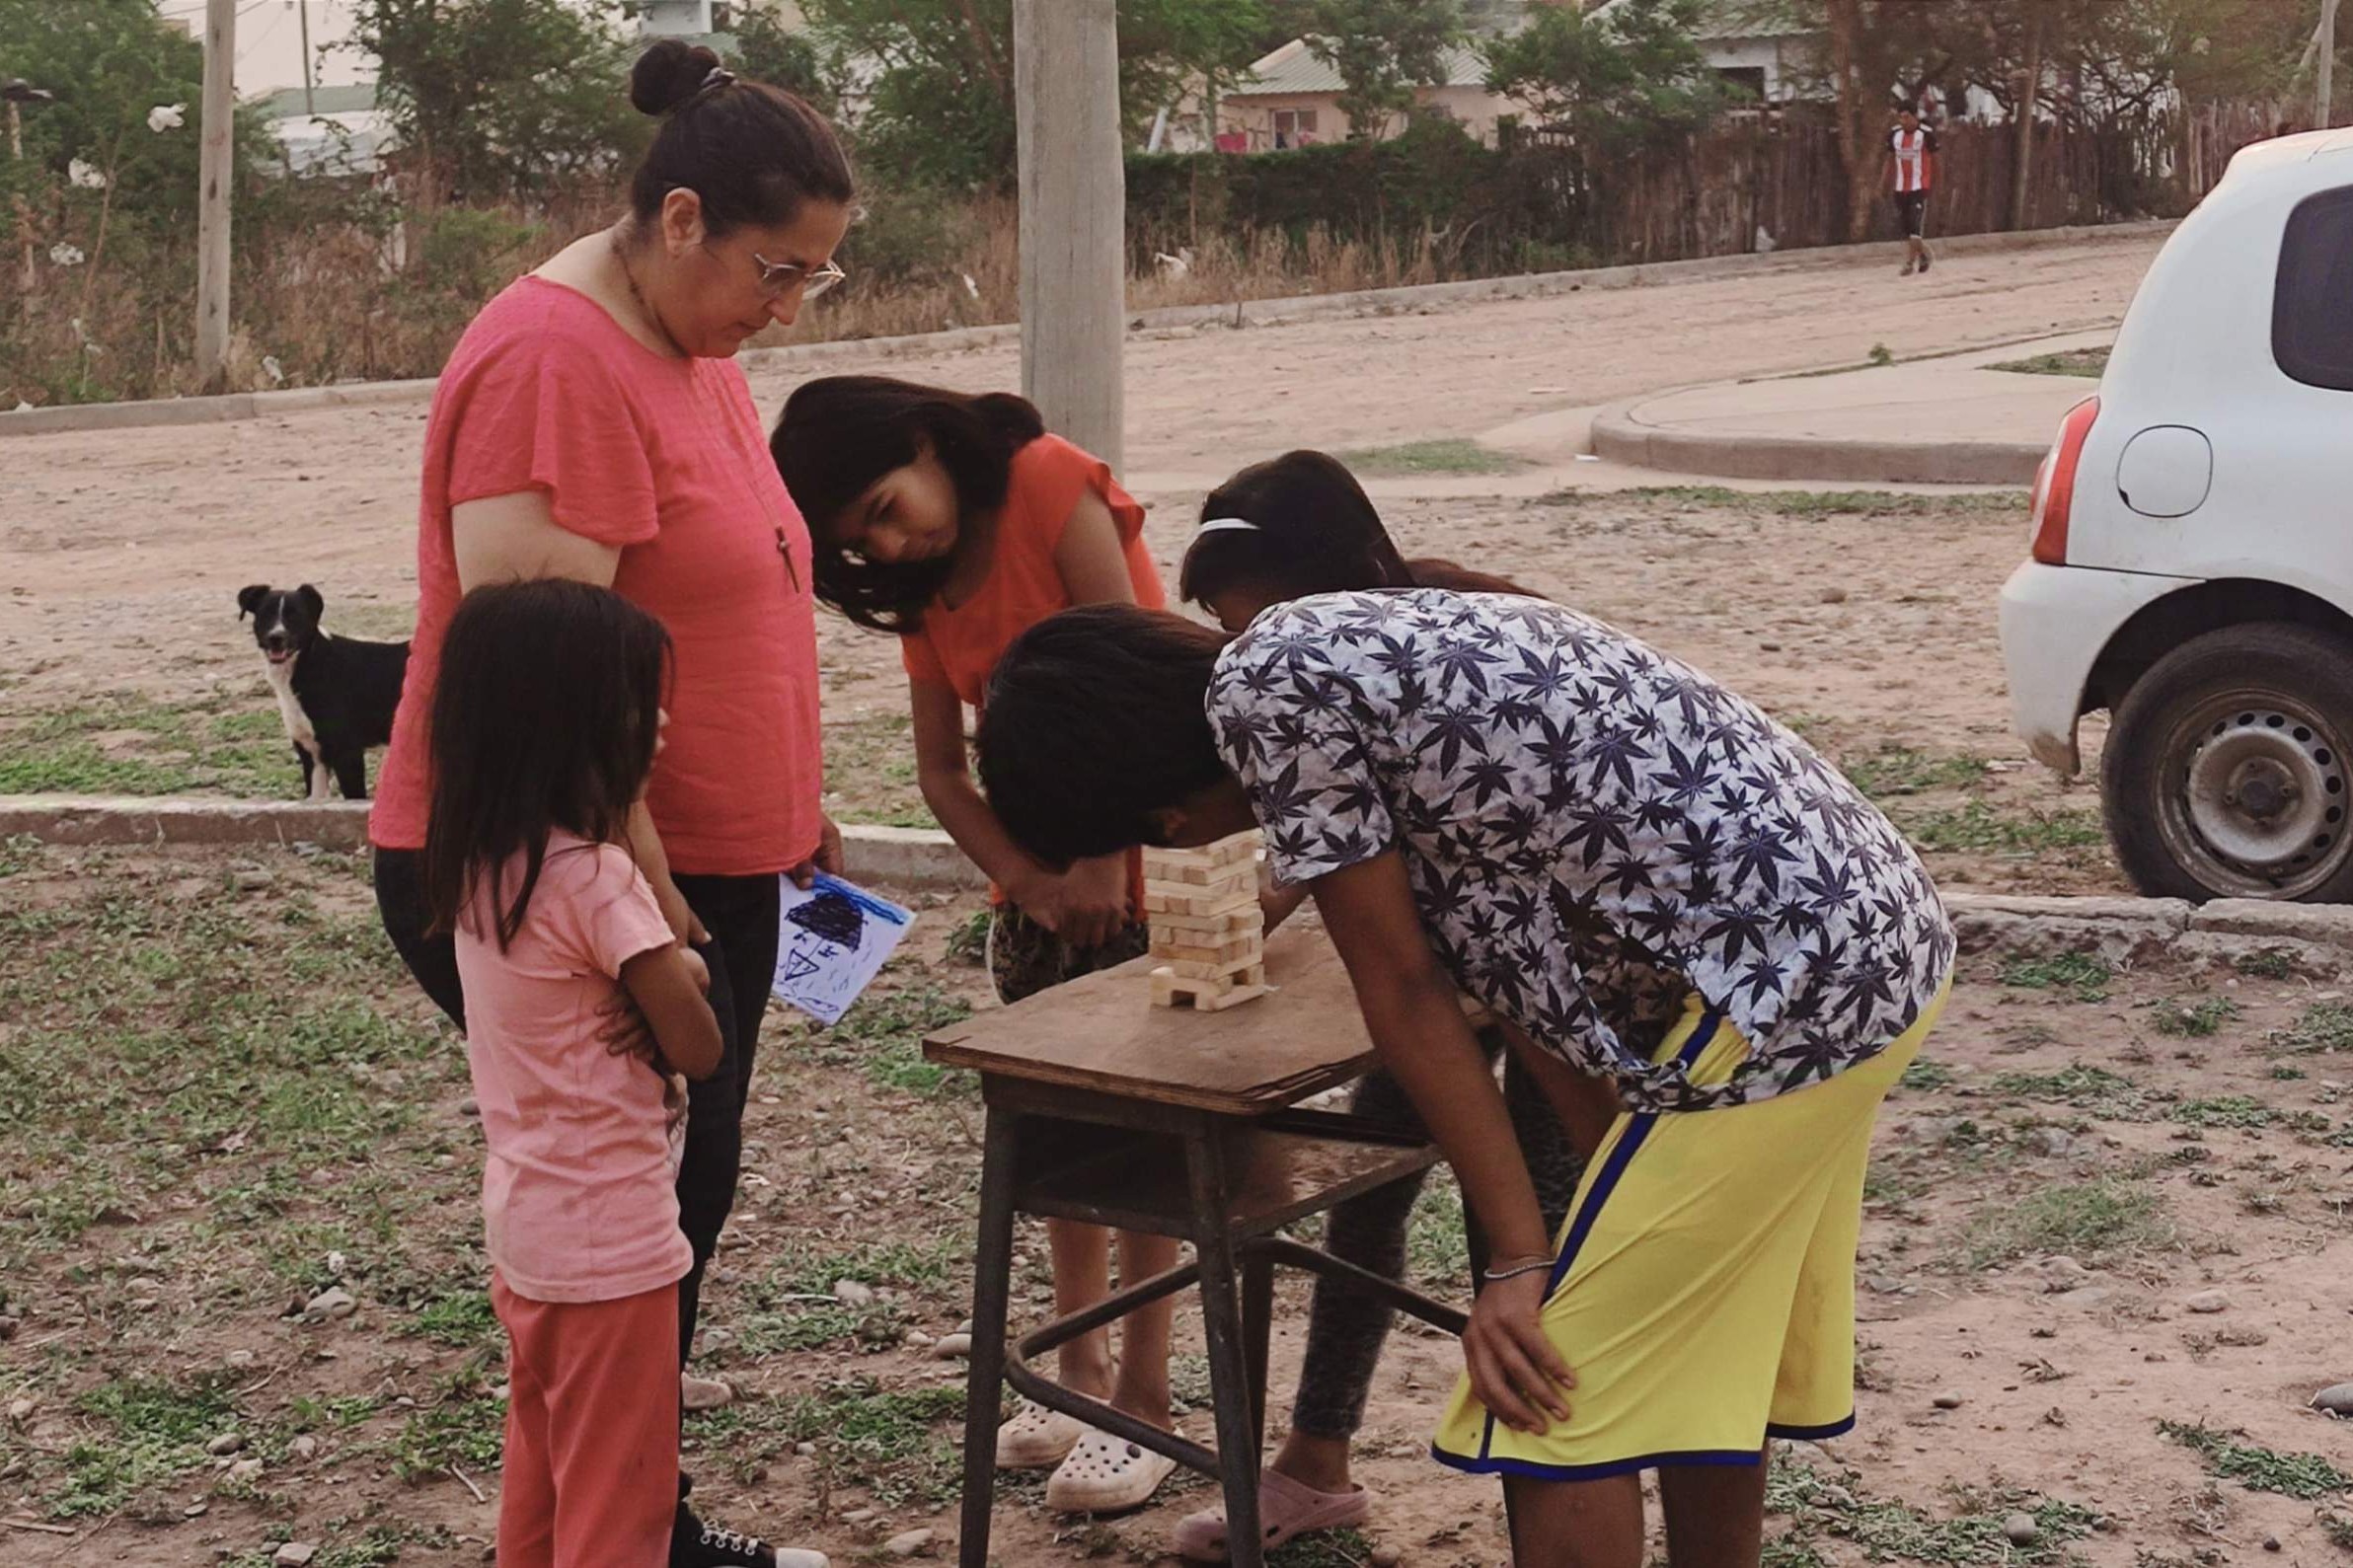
(2312, 940)
(1620, 437)
(1242, 313)
(901, 856)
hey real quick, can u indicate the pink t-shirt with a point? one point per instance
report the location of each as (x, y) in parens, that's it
(665, 459)
(578, 1198)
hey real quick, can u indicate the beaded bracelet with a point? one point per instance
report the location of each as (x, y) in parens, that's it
(1498, 1276)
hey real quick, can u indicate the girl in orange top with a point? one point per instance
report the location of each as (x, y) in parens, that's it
(958, 523)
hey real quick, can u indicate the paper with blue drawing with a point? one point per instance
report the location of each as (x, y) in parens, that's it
(835, 938)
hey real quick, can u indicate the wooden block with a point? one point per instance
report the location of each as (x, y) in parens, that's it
(1217, 969)
(1227, 851)
(1205, 995)
(1240, 873)
(1212, 949)
(1247, 917)
(1161, 898)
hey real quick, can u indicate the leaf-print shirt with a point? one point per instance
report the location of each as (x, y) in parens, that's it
(1589, 827)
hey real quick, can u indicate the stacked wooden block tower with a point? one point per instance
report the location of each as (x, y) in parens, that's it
(1208, 934)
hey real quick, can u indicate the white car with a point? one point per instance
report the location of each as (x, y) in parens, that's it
(2192, 565)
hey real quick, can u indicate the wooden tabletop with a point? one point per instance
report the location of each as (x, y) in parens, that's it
(1101, 1032)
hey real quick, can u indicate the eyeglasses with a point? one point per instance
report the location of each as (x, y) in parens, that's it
(778, 278)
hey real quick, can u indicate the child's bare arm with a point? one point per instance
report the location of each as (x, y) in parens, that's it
(662, 983)
(1418, 1027)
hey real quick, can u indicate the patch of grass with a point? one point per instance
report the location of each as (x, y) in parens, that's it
(1925, 1076)
(1979, 825)
(231, 742)
(1802, 503)
(869, 771)
(2095, 1090)
(1881, 354)
(1329, 1548)
(884, 1033)
(2194, 1020)
(1437, 1247)
(1901, 771)
(462, 1320)
(2086, 975)
(2089, 1221)
(968, 944)
(792, 1307)
(2092, 362)
(896, 1443)
(2228, 1111)
(155, 1431)
(2337, 1527)
(2307, 1476)
(2270, 963)
(460, 1430)
(1884, 1529)
(2325, 1026)
(1453, 456)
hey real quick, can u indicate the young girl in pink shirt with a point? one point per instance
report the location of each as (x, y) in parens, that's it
(581, 1008)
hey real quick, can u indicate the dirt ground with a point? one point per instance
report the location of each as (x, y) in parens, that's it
(196, 1145)
(219, 1096)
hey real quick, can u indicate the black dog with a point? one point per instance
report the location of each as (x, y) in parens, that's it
(337, 695)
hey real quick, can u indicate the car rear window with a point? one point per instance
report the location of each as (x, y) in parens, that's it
(2312, 308)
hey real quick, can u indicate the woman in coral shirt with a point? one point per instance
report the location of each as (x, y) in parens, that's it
(592, 424)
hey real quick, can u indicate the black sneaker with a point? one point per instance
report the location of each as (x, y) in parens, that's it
(695, 1544)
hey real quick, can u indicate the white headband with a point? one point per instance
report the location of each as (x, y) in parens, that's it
(1227, 525)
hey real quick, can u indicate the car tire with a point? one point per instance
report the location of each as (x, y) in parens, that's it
(2229, 769)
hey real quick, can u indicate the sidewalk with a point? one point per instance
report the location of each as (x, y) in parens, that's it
(1952, 420)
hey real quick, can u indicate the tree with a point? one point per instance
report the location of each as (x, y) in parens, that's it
(1632, 74)
(939, 105)
(503, 97)
(1383, 49)
(766, 50)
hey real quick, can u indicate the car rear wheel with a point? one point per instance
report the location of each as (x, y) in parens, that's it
(2228, 770)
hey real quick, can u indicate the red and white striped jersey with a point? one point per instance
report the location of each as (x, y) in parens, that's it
(1912, 148)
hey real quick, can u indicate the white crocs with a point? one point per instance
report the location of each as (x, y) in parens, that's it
(1036, 1439)
(1106, 1475)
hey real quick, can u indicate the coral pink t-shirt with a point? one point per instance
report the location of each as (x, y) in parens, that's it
(578, 1197)
(664, 459)
(959, 644)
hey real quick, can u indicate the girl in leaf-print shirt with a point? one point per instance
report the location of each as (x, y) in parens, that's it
(1472, 785)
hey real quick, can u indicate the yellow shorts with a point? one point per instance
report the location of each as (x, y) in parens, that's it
(1704, 1287)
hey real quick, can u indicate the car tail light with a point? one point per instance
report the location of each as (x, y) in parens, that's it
(2055, 484)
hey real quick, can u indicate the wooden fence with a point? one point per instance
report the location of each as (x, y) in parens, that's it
(1782, 178)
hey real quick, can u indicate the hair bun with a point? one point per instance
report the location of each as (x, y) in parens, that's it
(667, 74)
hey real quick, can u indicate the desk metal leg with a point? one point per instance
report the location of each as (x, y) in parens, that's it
(1258, 1328)
(992, 1288)
(1220, 1324)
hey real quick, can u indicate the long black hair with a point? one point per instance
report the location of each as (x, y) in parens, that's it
(544, 716)
(839, 434)
(1096, 719)
(1313, 530)
(754, 154)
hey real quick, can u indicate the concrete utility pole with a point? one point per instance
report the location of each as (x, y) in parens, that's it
(1074, 217)
(310, 102)
(18, 92)
(212, 194)
(2324, 84)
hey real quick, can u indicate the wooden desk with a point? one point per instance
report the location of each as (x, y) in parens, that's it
(1105, 1109)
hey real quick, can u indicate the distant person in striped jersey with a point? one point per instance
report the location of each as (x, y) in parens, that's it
(1911, 173)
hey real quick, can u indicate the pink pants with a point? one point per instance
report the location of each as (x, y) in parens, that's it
(591, 1472)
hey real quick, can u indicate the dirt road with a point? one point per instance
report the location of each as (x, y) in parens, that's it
(147, 533)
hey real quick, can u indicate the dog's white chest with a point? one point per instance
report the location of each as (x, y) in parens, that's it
(289, 708)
